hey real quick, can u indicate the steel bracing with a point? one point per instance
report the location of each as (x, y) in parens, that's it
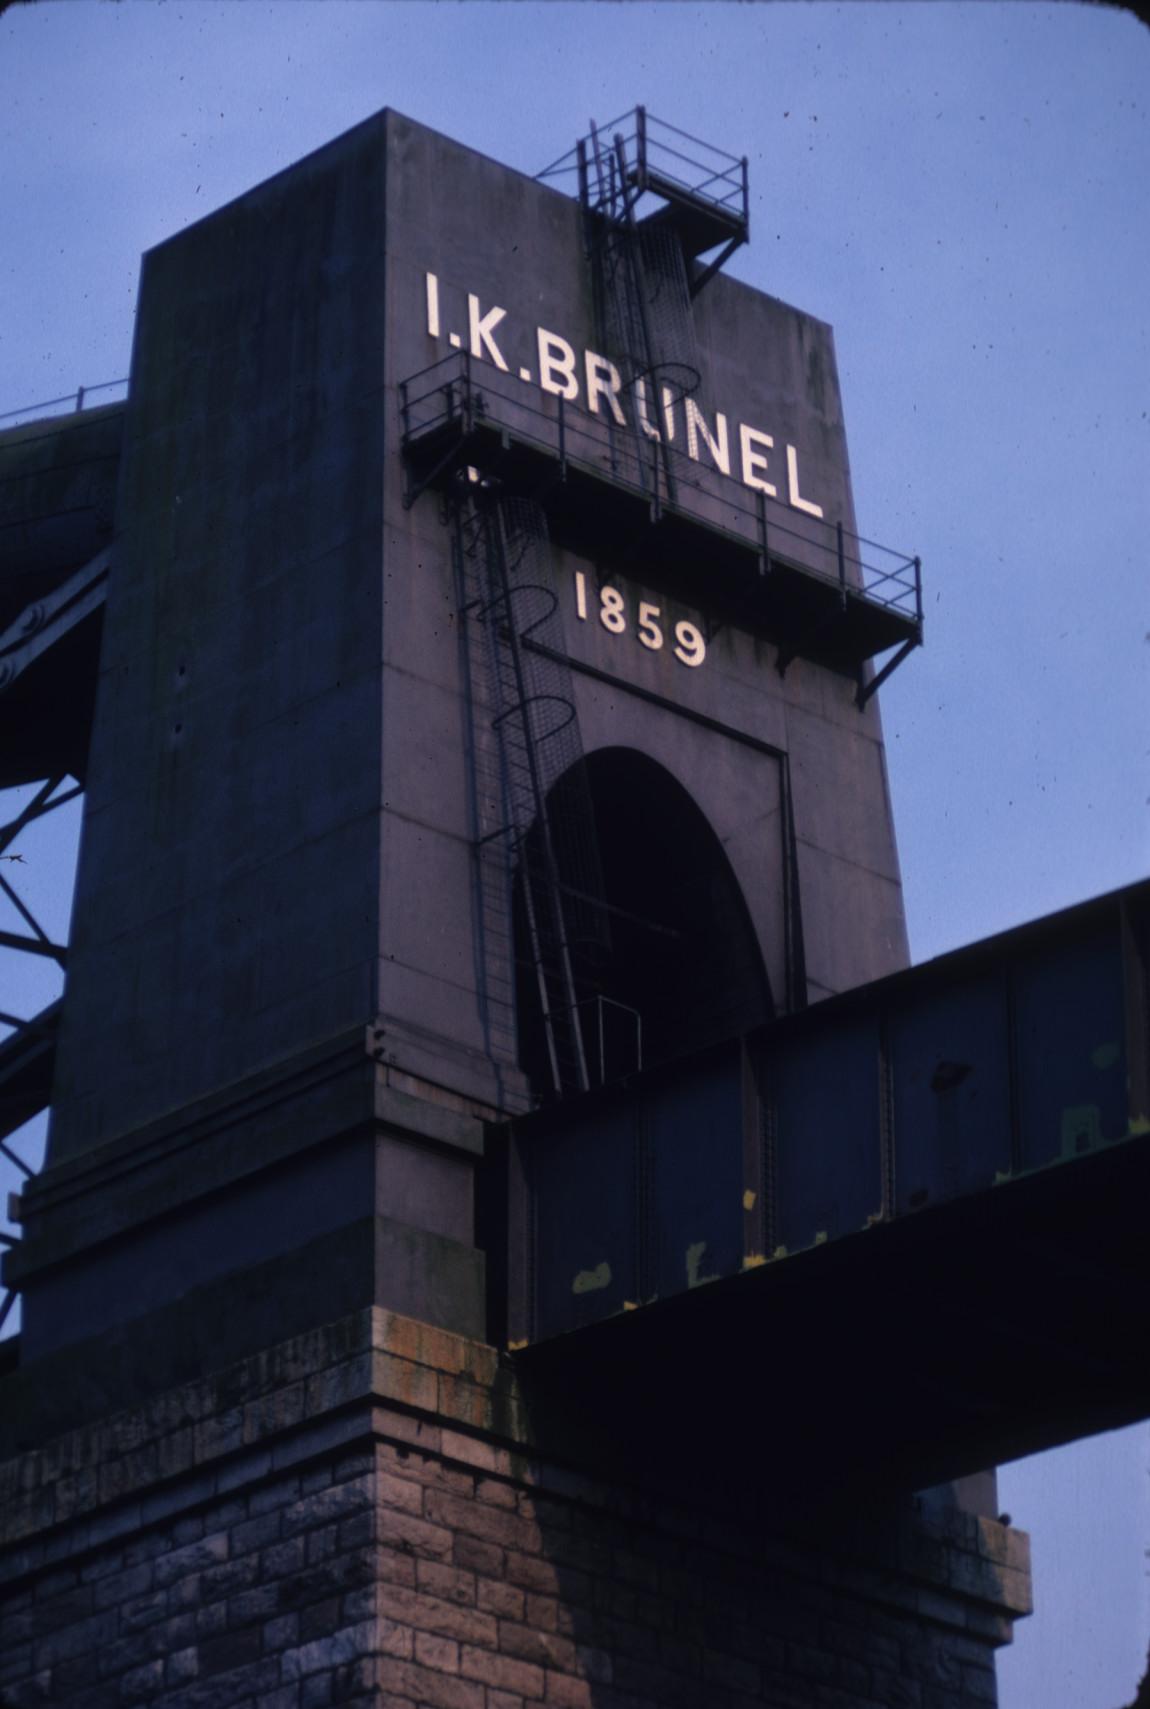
(27, 1054)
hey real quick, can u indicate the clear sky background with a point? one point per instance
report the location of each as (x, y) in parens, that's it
(961, 190)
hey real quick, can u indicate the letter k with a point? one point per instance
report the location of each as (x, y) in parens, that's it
(481, 330)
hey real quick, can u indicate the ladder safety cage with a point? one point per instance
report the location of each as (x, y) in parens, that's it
(524, 740)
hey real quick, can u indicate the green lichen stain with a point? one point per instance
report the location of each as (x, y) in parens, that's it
(1081, 1129)
(1106, 1055)
(590, 1281)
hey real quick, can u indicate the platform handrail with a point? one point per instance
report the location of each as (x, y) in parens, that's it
(652, 157)
(456, 391)
(78, 399)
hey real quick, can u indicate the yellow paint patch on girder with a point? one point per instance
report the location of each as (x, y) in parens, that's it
(694, 1259)
(821, 1237)
(753, 1260)
(749, 1198)
(1139, 1124)
(630, 1305)
(514, 1346)
(779, 1252)
(590, 1281)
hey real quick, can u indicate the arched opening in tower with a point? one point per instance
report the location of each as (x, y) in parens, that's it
(662, 954)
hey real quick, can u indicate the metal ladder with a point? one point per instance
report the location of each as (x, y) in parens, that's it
(642, 303)
(524, 738)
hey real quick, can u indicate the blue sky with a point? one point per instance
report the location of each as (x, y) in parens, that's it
(960, 190)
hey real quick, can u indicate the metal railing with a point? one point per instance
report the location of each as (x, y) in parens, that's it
(458, 392)
(69, 403)
(663, 159)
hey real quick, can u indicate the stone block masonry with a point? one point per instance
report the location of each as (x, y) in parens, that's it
(361, 1516)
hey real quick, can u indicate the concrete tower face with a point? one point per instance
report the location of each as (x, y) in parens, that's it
(277, 929)
(471, 243)
(486, 720)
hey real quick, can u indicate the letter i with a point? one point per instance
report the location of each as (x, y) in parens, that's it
(432, 305)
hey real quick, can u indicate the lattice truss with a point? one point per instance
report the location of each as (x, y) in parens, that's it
(39, 833)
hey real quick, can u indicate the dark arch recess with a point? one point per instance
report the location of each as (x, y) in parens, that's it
(678, 948)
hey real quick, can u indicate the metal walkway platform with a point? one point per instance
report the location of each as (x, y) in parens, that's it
(811, 585)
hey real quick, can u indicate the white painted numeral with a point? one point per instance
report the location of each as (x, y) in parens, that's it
(649, 631)
(611, 613)
(691, 648)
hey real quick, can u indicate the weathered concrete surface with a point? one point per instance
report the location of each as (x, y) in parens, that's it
(230, 852)
(277, 823)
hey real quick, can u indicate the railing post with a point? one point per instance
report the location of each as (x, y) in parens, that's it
(746, 196)
(764, 549)
(641, 146)
(404, 420)
(918, 589)
(842, 565)
(562, 438)
(80, 398)
(584, 181)
(466, 411)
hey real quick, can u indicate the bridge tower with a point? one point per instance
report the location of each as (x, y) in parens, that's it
(484, 747)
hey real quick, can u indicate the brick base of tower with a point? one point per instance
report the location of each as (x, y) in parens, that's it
(360, 1516)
